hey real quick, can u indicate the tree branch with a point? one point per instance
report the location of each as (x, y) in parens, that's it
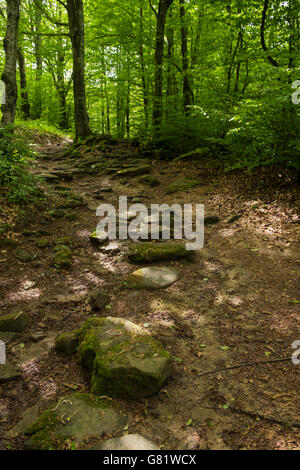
(153, 9)
(262, 33)
(46, 14)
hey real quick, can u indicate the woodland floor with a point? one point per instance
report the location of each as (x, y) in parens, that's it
(237, 298)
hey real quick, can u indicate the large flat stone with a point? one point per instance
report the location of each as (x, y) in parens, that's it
(75, 418)
(153, 278)
(8, 372)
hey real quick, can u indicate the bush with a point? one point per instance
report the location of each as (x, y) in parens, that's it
(16, 183)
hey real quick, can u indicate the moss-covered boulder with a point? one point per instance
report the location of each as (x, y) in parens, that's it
(134, 171)
(67, 343)
(151, 180)
(73, 420)
(123, 360)
(181, 184)
(151, 252)
(62, 257)
(15, 322)
(152, 278)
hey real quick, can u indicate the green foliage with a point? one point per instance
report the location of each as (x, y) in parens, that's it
(15, 181)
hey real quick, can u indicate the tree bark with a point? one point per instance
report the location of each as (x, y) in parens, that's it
(163, 8)
(77, 35)
(9, 74)
(187, 92)
(25, 106)
(37, 108)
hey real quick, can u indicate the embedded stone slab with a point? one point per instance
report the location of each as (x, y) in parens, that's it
(182, 184)
(152, 278)
(8, 372)
(149, 252)
(122, 359)
(75, 418)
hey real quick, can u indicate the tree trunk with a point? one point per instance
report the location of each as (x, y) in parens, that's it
(76, 27)
(143, 67)
(187, 92)
(25, 106)
(37, 108)
(9, 74)
(163, 8)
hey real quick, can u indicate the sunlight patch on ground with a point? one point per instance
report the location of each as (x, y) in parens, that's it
(92, 278)
(76, 285)
(23, 294)
(227, 233)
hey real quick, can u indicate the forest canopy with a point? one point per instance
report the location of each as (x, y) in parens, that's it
(194, 75)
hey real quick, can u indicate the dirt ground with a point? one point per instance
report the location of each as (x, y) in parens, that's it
(236, 304)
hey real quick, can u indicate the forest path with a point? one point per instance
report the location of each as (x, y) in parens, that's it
(236, 303)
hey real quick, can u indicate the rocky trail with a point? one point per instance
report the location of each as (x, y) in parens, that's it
(210, 335)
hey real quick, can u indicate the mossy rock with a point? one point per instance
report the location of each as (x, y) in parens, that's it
(98, 238)
(151, 252)
(211, 220)
(182, 184)
(63, 257)
(123, 360)
(57, 213)
(7, 336)
(134, 171)
(67, 343)
(75, 419)
(43, 243)
(8, 372)
(64, 241)
(99, 300)
(14, 322)
(24, 256)
(150, 180)
(8, 243)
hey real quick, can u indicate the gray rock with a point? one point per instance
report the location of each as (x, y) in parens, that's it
(153, 278)
(99, 300)
(29, 417)
(123, 360)
(7, 336)
(8, 372)
(15, 322)
(58, 213)
(129, 442)
(75, 418)
(211, 220)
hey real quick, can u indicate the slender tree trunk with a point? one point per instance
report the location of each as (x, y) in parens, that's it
(9, 74)
(171, 98)
(76, 28)
(25, 105)
(143, 68)
(187, 92)
(163, 8)
(37, 105)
